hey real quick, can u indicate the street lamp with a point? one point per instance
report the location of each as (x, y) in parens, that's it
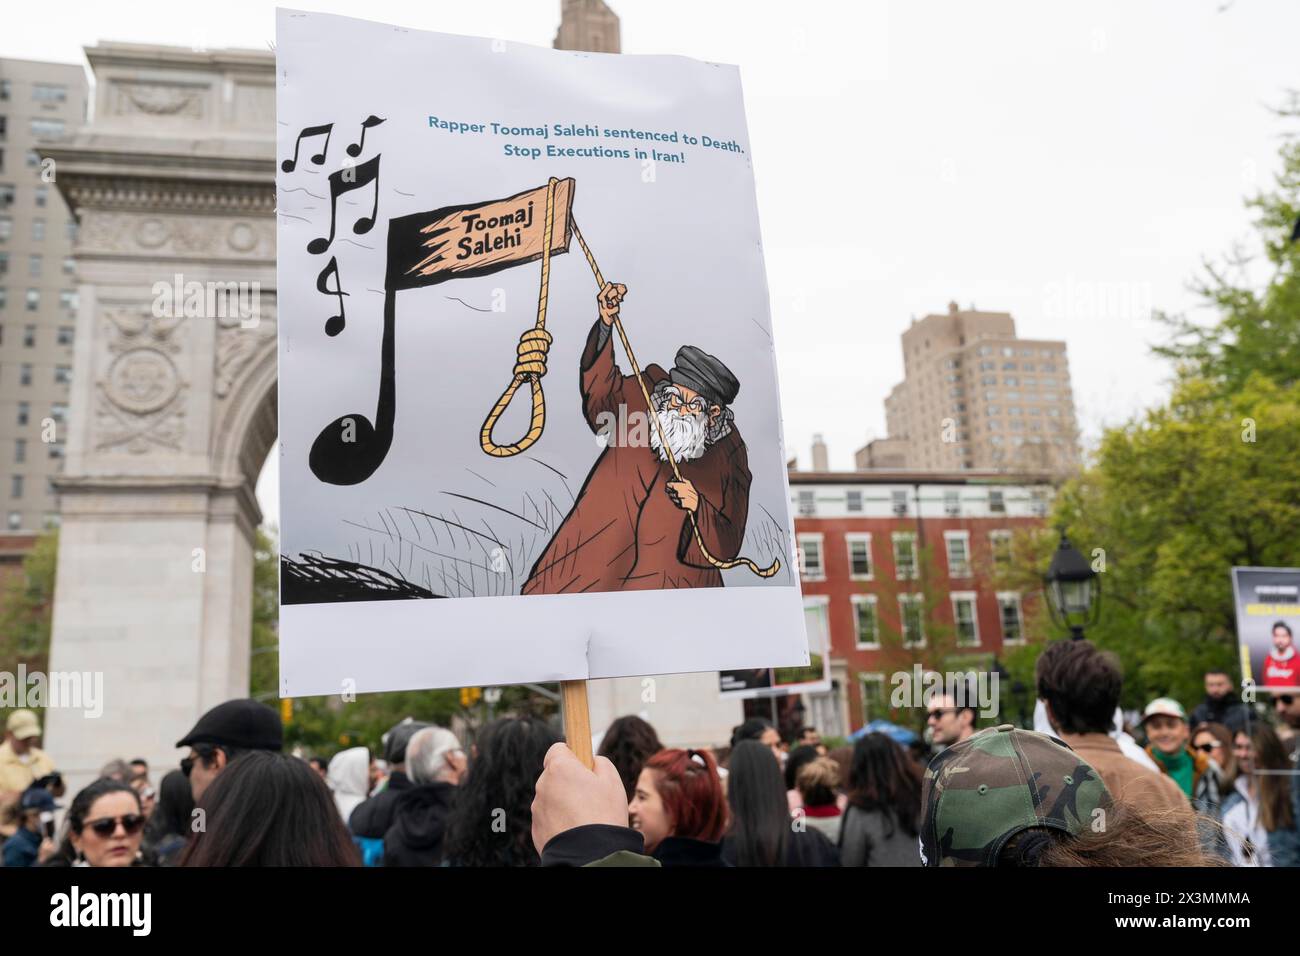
(1073, 589)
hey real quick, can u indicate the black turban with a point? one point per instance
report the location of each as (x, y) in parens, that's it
(701, 372)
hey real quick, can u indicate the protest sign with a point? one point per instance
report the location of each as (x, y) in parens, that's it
(1268, 616)
(529, 420)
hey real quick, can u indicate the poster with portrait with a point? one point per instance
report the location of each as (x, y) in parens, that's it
(529, 419)
(1268, 617)
(811, 678)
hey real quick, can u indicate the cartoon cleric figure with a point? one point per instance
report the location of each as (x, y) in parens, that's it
(630, 527)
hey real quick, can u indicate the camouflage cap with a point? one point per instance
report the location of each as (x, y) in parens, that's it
(981, 792)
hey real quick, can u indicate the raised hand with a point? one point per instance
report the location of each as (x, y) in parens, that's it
(609, 299)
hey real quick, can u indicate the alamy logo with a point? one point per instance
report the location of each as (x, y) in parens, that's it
(102, 909)
(69, 690)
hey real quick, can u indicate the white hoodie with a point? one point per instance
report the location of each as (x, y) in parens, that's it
(349, 778)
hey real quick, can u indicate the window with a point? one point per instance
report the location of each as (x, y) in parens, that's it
(997, 504)
(70, 231)
(964, 619)
(912, 618)
(63, 375)
(24, 412)
(4, 296)
(898, 498)
(59, 412)
(951, 503)
(810, 554)
(68, 300)
(989, 380)
(42, 195)
(1009, 610)
(34, 266)
(988, 366)
(1000, 545)
(904, 555)
(66, 334)
(807, 506)
(957, 544)
(875, 702)
(859, 556)
(992, 410)
(1008, 352)
(6, 89)
(853, 500)
(1010, 380)
(16, 486)
(15, 520)
(20, 450)
(4, 263)
(33, 300)
(25, 374)
(6, 228)
(45, 128)
(49, 92)
(69, 265)
(865, 629)
(38, 230)
(29, 336)
(56, 449)
(1038, 502)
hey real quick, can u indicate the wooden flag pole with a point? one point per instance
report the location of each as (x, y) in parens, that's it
(577, 720)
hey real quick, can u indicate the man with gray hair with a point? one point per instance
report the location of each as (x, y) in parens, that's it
(435, 763)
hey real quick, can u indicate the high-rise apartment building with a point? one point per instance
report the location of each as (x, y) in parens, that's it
(976, 397)
(38, 296)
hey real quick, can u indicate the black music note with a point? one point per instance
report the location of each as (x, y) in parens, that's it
(335, 323)
(349, 449)
(370, 121)
(289, 165)
(345, 180)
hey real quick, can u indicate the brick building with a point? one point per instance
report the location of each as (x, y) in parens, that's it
(860, 535)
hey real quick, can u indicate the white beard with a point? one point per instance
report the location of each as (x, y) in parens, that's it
(688, 435)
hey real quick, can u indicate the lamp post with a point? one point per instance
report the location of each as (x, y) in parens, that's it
(1073, 589)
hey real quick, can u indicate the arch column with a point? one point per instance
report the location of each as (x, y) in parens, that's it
(172, 408)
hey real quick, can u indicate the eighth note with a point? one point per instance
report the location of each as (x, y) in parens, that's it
(289, 165)
(335, 323)
(343, 181)
(371, 121)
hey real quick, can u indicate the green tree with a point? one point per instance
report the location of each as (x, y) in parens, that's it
(26, 607)
(1180, 494)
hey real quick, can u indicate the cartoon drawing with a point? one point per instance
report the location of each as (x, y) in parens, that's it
(633, 524)
(665, 511)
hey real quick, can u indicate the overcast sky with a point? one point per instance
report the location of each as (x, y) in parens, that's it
(1069, 164)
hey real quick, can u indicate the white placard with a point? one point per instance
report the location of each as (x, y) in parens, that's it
(425, 184)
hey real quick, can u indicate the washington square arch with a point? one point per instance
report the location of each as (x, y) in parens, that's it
(171, 417)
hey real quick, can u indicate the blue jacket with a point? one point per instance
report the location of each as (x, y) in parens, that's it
(22, 848)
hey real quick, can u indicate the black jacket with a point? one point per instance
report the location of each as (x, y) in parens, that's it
(1230, 712)
(683, 851)
(419, 826)
(373, 817)
(802, 848)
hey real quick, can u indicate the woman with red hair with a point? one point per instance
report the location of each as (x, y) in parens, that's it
(679, 808)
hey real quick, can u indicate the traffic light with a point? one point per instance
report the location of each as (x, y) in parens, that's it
(286, 710)
(469, 696)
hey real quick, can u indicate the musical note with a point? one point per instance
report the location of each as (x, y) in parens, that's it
(345, 180)
(289, 165)
(349, 449)
(335, 323)
(355, 149)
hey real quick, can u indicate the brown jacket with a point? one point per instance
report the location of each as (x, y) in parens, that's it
(624, 533)
(1127, 780)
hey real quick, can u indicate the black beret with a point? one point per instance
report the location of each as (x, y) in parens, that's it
(238, 723)
(701, 372)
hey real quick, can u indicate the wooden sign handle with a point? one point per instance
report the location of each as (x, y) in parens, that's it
(577, 720)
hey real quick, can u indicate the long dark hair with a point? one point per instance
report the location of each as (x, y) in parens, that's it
(628, 743)
(270, 809)
(884, 779)
(1274, 789)
(175, 809)
(502, 776)
(760, 812)
(751, 729)
(79, 809)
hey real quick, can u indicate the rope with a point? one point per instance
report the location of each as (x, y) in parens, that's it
(530, 366)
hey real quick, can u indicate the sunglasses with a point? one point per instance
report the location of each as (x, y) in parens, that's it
(132, 823)
(936, 714)
(204, 754)
(1285, 699)
(1206, 748)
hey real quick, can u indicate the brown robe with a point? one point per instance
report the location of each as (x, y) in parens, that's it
(624, 532)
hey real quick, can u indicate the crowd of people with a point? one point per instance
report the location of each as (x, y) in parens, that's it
(1219, 787)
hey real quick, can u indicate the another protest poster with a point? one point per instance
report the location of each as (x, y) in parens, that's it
(1268, 617)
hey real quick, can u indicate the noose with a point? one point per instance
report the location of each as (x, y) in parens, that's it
(531, 366)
